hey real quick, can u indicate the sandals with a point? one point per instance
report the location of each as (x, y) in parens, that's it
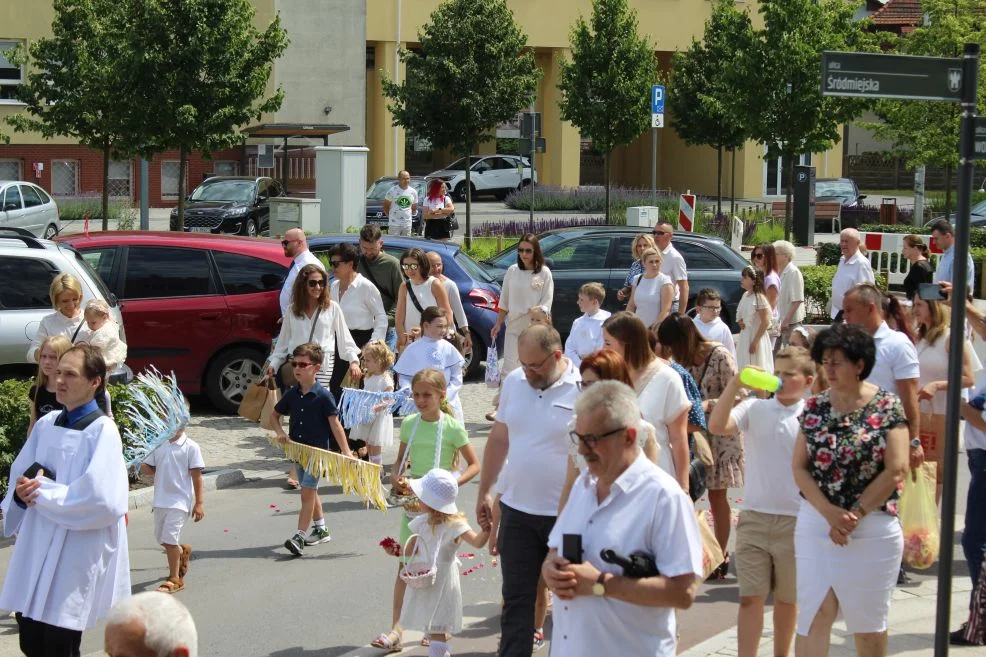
(171, 585)
(186, 555)
(291, 484)
(384, 641)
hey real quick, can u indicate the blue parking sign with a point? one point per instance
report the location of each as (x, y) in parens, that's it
(657, 99)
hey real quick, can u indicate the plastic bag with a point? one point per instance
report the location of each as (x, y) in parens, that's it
(919, 519)
(492, 367)
(712, 555)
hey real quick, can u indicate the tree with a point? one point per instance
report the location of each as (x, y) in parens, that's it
(706, 107)
(928, 132)
(787, 112)
(472, 72)
(202, 73)
(606, 87)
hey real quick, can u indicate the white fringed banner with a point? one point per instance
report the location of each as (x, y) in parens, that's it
(158, 412)
(356, 406)
(354, 475)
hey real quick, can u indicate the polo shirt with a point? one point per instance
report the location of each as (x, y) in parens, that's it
(792, 289)
(172, 463)
(851, 272)
(537, 428)
(306, 257)
(646, 510)
(896, 359)
(310, 413)
(770, 430)
(673, 266)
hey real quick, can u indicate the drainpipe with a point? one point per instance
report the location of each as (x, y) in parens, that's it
(397, 69)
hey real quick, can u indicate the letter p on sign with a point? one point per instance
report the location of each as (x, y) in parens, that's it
(686, 213)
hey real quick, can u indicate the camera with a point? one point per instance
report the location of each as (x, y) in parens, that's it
(638, 565)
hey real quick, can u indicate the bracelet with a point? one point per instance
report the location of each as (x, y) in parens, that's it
(858, 510)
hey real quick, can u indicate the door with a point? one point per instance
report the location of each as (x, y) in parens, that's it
(484, 175)
(505, 175)
(574, 262)
(34, 210)
(774, 183)
(12, 209)
(24, 301)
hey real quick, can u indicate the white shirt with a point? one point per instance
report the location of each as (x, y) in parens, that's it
(646, 510)
(173, 462)
(522, 289)
(331, 327)
(770, 430)
(455, 301)
(53, 324)
(586, 336)
(716, 331)
(537, 425)
(437, 204)
(647, 293)
(107, 339)
(426, 352)
(852, 272)
(70, 563)
(401, 201)
(662, 398)
(792, 289)
(896, 359)
(673, 266)
(306, 257)
(362, 306)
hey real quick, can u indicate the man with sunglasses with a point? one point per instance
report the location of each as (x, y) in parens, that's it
(672, 266)
(625, 503)
(295, 246)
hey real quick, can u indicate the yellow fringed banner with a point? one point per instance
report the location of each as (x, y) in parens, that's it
(354, 475)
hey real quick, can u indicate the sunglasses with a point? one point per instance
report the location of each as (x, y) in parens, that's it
(312, 283)
(757, 256)
(658, 233)
(525, 250)
(335, 263)
(591, 439)
(286, 242)
(412, 266)
(301, 365)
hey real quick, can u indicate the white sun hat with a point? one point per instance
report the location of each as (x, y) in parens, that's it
(438, 489)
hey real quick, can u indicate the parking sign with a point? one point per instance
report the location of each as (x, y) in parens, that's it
(657, 99)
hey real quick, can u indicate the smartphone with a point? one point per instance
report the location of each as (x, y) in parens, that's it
(931, 292)
(571, 547)
(32, 472)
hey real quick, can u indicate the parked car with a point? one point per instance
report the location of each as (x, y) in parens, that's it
(378, 191)
(841, 190)
(977, 217)
(234, 205)
(602, 253)
(27, 267)
(479, 293)
(491, 174)
(27, 206)
(202, 306)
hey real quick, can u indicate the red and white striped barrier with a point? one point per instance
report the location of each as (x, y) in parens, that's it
(886, 253)
(686, 213)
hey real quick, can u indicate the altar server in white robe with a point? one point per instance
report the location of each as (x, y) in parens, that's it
(70, 563)
(432, 350)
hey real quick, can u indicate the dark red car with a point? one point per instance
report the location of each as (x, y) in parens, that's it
(202, 306)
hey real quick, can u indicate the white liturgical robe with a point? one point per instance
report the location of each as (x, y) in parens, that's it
(70, 563)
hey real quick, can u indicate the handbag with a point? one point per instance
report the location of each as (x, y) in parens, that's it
(712, 555)
(492, 367)
(932, 434)
(287, 371)
(252, 405)
(267, 412)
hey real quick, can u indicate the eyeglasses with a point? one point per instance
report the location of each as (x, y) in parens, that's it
(301, 365)
(286, 242)
(591, 439)
(413, 266)
(335, 263)
(539, 365)
(313, 283)
(525, 250)
(714, 309)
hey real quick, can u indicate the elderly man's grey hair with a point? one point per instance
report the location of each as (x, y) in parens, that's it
(167, 623)
(785, 247)
(616, 400)
(851, 233)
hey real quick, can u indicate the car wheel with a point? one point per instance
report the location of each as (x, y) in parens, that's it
(50, 232)
(229, 376)
(460, 192)
(474, 357)
(250, 228)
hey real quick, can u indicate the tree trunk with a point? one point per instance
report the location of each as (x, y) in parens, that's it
(789, 188)
(106, 185)
(718, 183)
(468, 236)
(732, 186)
(182, 173)
(606, 162)
(948, 190)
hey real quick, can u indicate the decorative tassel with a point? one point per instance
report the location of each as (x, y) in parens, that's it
(158, 412)
(354, 475)
(356, 406)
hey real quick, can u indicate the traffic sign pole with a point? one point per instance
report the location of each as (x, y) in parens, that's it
(657, 95)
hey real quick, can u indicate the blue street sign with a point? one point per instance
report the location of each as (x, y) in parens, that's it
(657, 99)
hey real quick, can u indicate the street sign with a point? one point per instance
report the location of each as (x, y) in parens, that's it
(540, 144)
(525, 125)
(657, 120)
(866, 75)
(979, 143)
(657, 99)
(686, 212)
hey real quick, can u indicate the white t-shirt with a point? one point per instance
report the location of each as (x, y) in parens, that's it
(401, 201)
(438, 203)
(172, 463)
(647, 296)
(673, 266)
(770, 430)
(663, 399)
(896, 359)
(716, 331)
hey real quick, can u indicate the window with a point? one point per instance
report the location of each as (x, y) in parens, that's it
(586, 253)
(624, 258)
(11, 74)
(64, 177)
(698, 257)
(154, 273)
(169, 179)
(120, 179)
(225, 167)
(31, 197)
(101, 261)
(10, 169)
(25, 283)
(11, 199)
(242, 274)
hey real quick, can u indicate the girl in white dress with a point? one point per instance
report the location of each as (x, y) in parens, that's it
(753, 316)
(437, 533)
(653, 292)
(431, 350)
(380, 433)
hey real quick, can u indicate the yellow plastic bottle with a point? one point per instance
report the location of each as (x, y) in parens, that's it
(760, 380)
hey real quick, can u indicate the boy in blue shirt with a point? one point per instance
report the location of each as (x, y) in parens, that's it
(314, 420)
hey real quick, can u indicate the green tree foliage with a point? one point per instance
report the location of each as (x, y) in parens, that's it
(606, 87)
(472, 72)
(782, 71)
(927, 133)
(705, 105)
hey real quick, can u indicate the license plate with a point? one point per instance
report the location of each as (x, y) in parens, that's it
(198, 229)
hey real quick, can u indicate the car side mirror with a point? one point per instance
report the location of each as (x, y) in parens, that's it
(861, 197)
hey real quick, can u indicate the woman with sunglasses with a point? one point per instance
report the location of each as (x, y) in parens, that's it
(418, 291)
(764, 258)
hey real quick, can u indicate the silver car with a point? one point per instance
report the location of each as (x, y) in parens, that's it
(26, 206)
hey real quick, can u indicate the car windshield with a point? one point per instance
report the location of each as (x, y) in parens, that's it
(97, 282)
(225, 190)
(833, 188)
(460, 165)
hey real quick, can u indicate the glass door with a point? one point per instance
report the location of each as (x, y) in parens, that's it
(773, 177)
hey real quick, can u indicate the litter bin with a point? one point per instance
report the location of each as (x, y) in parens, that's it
(888, 211)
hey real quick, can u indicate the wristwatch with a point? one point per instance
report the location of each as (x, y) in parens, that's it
(599, 588)
(915, 443)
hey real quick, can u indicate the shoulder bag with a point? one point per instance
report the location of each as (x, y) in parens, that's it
(287, 371)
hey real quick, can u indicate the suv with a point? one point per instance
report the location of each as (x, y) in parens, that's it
(27, 206)
(202, 306)
(229, 204)
(27, 267)
(491, 174)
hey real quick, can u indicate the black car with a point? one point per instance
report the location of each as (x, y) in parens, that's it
(602, 253)
(840, 190)
(229, 204)
(378, 191)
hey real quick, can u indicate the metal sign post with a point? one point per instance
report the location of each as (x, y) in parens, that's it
(656, 121)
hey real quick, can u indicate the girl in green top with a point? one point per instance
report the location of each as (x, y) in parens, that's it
(420, 437)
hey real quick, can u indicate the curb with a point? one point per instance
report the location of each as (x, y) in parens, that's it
(215, 480)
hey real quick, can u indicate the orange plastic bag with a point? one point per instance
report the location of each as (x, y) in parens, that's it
(919, 519)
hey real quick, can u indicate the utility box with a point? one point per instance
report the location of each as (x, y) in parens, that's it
(804, 205)
(287, 213)
(340, 182)
(644, 216)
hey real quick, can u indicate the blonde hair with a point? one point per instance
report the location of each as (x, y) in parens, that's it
(436, 379)
(97, 307)
(799, 357)
(61, 284)
(379, 351)
(60, 344)
(436, 518)
(594, 291)
(539, 316)
(652, 251)
(648, 240)
(939, 324)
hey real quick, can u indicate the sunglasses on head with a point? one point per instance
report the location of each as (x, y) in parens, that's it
(313, 283)
(410, 265)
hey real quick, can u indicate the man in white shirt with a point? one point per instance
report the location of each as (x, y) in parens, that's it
(586, 335)
(150, 623)
(673, 266)
(854, 269)
(531, 429)
(624, 503)
(295, 246)
(400, 204)
(791, 299)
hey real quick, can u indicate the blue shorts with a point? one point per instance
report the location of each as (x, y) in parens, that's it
(305, 478)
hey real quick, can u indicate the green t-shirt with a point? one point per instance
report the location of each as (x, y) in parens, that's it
(422, 457)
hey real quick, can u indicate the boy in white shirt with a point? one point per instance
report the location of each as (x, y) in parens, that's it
(177, 469)
(765, 532)
(708, 305)
(102, 332)
(586, 335)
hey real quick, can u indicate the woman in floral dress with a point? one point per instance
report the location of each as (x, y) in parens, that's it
(849, 462)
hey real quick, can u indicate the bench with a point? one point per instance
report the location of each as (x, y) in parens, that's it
(824, 211)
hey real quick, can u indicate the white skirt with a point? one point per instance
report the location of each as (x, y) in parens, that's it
(862, 574)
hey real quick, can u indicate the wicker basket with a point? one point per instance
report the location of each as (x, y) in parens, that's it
(418, 573)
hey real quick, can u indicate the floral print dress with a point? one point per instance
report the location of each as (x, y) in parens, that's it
(712, 377)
